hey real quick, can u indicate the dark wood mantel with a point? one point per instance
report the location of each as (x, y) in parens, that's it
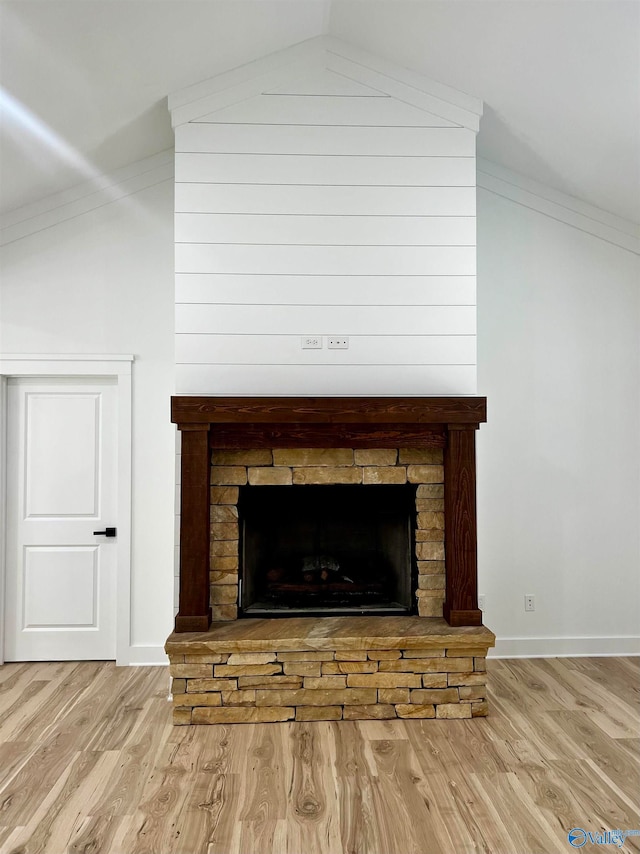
(364, 422)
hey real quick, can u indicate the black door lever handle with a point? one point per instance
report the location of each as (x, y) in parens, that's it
(109, 532)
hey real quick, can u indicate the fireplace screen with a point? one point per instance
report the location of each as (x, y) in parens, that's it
(327, 549)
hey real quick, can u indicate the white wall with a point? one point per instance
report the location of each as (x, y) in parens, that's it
(558, 360)
(559, 461)
(324, 207)
(102, 282)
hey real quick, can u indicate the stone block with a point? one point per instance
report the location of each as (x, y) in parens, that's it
(319, 713)
(426, 665)
(302, 668)
(431, 519)
(224, 563)
(223, 513)
(465, 651)
(305, 697)
(231, 671)
(421, 593)
(178, 686)
(472, 692)
(274, 476)
(415, 710)
(430, 607)
(423, 653)
(224, 613)
(327, 475)
(394, 695)
(207, 658)
(225, 531)
(384, 680)
(425, 474)
(202, 686)
(384, 474)
(375, 456)
(224, 548)
(222, 577)
(375, 712)
(335, 668)
(429, 504)
(434, 680)
(421, 456)
(429, 535)
(240, 658)
(238, 698)
(430, 490)
(307, 655)
(383, 654)
(431, 582)
(270, 682)
(239, 457)
(190, 671)
(191, 699)
(317, 683)
(351, 655)
(479, 709)
(181, 717)
(480, 664)
(430, 551)
(224, 494)
(453, 711)
(241, 715)
(228, 475)
(431, 567)
(468, 678)
(313, 457)
(435, 695)
(223, 594)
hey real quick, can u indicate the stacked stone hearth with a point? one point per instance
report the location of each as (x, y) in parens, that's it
(428, 681)
(285, 467)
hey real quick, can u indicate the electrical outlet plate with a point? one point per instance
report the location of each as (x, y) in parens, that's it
(481, 600)
(529, 602)
(311, 342)
(338, 342)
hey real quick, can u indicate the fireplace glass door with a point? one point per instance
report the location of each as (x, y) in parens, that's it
(335, 549)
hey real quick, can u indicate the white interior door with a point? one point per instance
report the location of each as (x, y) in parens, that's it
(60, 598)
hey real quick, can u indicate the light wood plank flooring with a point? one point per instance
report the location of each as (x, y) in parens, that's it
(89, 762)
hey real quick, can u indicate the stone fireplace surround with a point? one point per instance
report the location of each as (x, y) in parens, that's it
(328, 668)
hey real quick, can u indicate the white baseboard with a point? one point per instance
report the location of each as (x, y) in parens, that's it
(564, 647)
(150, 656)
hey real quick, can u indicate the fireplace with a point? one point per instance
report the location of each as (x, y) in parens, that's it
(333, 543)
(328, 549)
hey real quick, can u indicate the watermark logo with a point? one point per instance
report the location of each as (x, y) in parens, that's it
(578, 837)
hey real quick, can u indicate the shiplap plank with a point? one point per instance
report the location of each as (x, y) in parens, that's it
(286, 139)
(325, 230)
(326, 260)
(323, 82)
(325, 320)
(241, 380)
(336, 169)
(324, 110)
(346, 201)
(363, 350)
(327, 290)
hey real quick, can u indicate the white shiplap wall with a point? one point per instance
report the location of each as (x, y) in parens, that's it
(323, 206)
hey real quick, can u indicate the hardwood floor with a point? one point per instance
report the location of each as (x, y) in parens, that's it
(89, 762)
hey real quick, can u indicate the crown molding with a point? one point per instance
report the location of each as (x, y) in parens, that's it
(557, 205)
(83, 198)
(230, 87)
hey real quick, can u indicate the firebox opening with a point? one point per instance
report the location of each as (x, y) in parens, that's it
(337, 549)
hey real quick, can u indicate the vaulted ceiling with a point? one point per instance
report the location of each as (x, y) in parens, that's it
(84, 82)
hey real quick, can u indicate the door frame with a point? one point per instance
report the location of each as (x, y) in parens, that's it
(119, 368)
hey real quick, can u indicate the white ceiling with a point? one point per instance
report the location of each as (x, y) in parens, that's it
(85, 81)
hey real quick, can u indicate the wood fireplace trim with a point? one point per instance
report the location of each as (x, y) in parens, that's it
(251, 422)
